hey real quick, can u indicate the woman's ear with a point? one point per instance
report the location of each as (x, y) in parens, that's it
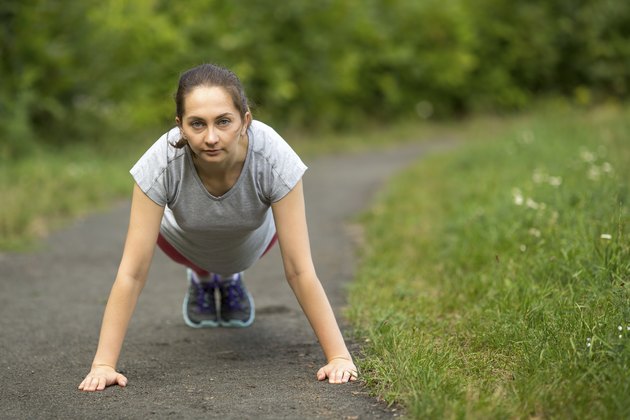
(246, 122)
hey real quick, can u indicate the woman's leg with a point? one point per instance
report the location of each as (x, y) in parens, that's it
(176, 256)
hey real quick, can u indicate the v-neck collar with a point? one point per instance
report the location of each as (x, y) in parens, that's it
(245, 168)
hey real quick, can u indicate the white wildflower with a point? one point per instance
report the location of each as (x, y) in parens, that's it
(539, 176)
(523, 247)
(534, 232)
(518, 196)
(555, 181)
(531, 204)
(608, 237)
(620, 336)
(593, 173)
(607, 167)
(587, 156)
(620, 328)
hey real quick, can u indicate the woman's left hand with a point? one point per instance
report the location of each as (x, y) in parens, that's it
(338, 371)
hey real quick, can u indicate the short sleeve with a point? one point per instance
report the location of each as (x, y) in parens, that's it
(151, 171)
(278, 167)
(286, 172)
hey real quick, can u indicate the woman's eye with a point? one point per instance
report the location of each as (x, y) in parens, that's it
(196, 124)
(223, 122)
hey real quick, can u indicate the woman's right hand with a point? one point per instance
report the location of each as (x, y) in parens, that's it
(100, 377)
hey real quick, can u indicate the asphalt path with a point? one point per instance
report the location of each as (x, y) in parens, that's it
(52, 300)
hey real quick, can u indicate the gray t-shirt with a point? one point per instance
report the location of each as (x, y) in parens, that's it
(225, 234)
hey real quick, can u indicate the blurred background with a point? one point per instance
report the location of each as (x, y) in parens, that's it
(85, 86)
(99, 71)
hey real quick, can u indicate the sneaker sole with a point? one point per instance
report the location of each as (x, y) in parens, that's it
(202, 324)
(240, 324)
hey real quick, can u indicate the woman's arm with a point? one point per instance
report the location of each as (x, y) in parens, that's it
(290, 217)
(144, 226)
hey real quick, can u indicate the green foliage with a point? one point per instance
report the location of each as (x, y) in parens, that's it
(577, 49)
(495, 278)
(97, 71)
(78, 73)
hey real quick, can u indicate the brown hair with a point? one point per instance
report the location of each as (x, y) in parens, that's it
(209, 75)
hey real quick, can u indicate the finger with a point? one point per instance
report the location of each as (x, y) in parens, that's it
(122, 380)
(102, 383)
(345, 377)
(94, 385)
(335, 378)
(321, 374)
(341, 375)
(90, 385)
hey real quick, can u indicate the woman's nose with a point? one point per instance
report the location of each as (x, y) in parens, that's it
(212, 137)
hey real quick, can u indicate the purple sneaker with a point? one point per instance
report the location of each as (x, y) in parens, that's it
(199, 308)
(237, 305)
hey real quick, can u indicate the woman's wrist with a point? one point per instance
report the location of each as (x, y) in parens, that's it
(98, 365)
(341, 357)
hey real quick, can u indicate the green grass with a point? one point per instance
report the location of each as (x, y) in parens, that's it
(47, 189)
(495, 278)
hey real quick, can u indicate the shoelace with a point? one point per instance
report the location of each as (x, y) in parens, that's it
(205, 295)
(233, 293)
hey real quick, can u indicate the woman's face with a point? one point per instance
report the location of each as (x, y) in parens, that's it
(212, 124)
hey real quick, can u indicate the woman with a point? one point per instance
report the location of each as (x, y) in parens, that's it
(215, 193)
